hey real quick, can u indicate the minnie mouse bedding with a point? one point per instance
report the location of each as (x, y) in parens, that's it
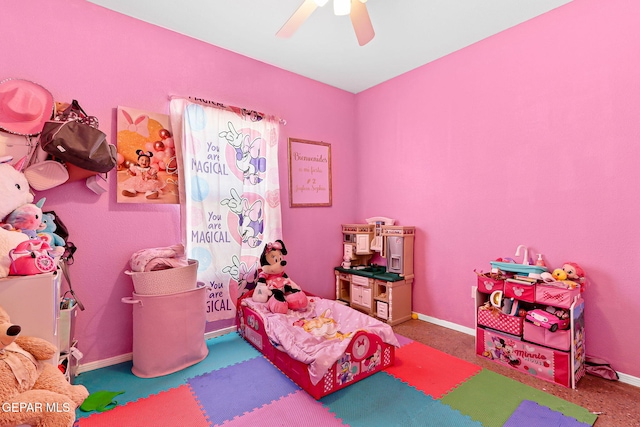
(335, 344)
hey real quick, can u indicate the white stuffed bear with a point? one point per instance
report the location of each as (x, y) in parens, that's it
(14, 192)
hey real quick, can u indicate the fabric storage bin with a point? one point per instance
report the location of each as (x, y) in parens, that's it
(168, 331)
(488, 285)
(520, 291)
(543, 362)
(495, 319)
(167, 281)
(66, 328)
(560, 339)
(555, 296)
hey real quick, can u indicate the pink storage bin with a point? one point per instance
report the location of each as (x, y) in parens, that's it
(560, 339)
(495, 319)
(549, 364)
(519, 291)
(555, 296)
(168, 332)
(488, 285)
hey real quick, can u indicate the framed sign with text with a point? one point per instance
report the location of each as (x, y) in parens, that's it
(309, 173)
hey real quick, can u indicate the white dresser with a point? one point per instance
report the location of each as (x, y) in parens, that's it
(33, 303)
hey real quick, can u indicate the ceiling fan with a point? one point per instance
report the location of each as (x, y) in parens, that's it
(356, 9)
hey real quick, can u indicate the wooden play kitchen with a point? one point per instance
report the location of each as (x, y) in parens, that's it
(380, 291)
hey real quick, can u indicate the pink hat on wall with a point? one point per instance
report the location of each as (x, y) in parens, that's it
(24, 106)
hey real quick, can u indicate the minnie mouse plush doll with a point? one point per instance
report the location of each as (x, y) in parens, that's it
(286, 293)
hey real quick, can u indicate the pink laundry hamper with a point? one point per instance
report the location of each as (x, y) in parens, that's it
(167, 281)
(168, 331)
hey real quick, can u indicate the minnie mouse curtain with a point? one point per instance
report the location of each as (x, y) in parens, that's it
(229, 194)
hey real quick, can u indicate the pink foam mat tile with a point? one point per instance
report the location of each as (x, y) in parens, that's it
(429, 370)
(295, 409)
(158, 410)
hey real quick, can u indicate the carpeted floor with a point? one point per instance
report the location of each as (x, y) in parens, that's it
(236, 386)
(615, 402)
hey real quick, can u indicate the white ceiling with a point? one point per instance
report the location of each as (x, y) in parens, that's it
(409, 33)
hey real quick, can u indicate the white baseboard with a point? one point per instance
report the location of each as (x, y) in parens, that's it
(219, 332)
(624, 378)
(449, 325)
(86, 367)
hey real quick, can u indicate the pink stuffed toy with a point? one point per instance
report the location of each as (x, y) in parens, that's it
(576, 273)
(286, 294)
(27, 219)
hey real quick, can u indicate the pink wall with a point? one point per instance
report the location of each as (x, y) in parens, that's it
(103, 59)
(529, 137)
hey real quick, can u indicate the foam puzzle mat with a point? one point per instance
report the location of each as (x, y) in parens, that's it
(236, 386)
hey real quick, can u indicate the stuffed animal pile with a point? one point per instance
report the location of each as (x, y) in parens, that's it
(570, 276)
(274, 286)
(20, 218)
(32, 391)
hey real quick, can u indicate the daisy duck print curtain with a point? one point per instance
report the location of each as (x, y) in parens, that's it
(229, 195)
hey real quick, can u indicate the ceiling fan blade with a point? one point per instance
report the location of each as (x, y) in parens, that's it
(361, 22)
(298, 17)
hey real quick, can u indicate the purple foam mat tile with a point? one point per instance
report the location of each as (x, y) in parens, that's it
(532, 414)
(238, 389)
(297, 409)
(403, 340)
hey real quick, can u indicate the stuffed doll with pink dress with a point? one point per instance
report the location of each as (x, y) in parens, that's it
(286, 294)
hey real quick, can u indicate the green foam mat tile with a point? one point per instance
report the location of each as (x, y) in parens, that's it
(491, 398)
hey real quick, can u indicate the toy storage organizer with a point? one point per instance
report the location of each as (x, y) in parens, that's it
(168, 328)
(509, 339)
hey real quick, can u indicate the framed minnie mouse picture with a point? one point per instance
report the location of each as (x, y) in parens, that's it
(147, 165)
(309, 173)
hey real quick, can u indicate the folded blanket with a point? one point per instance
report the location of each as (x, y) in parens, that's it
(158, 258)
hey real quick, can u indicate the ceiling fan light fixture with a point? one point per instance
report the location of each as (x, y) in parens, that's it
(341, 7)
(356, 9)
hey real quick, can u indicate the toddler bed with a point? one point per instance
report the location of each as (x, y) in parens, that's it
(323, 348)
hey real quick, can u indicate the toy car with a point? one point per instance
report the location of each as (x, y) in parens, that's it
(547, 320)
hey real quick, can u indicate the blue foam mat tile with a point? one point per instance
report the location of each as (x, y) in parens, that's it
(223, 351)
(237, 389)
(376, 406)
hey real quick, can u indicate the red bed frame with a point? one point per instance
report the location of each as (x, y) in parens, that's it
(366, 354)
